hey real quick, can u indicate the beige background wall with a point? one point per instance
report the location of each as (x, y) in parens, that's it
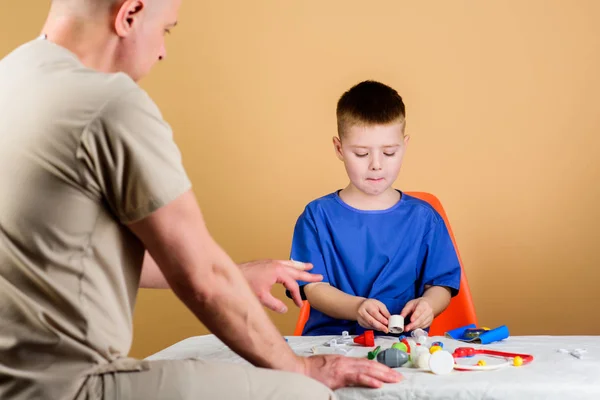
(503, 110)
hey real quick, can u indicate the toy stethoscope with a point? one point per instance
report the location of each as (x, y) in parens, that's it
(462, 352)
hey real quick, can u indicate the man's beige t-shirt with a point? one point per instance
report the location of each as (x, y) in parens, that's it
(82, 153)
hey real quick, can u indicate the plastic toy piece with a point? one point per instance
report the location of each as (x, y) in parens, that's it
(401, 346)
(396, 324)
(520, 359)
(423, 360)
(346, 338)
(481, 363)
(366, 339)
(407, 344)
(472, 334)
(393, 358)
(577, 353)
(419, 335)
(517, 361)
(373, 354)
(438, 344)
(433, 349)
(441, 362)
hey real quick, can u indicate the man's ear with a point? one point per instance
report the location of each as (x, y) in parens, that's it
(128, 16)
(337, 145)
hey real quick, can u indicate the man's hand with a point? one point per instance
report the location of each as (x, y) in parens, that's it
(337, 371)
(263, 274)
(373, 314)
(422, 314)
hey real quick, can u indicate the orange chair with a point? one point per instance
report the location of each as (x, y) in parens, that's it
(459, 313)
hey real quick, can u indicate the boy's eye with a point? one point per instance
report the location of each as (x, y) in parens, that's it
(361, 154)
(390, 154)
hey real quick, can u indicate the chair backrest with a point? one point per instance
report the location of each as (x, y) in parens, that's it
(461, 310)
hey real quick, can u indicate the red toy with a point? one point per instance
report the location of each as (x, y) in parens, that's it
(518, 359)
(366, 339)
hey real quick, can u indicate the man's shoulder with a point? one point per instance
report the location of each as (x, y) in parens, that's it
(46, 71)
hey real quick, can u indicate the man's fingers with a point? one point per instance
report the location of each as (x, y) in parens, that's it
(305, 276)
(373, 374)
(297, 265)
(273, 303)
(367, 381)
(292, 286)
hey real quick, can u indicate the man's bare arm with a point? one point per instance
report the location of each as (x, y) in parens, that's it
(211, 285)
(152, 277)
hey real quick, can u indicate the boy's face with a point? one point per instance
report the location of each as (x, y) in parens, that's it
(372, 155)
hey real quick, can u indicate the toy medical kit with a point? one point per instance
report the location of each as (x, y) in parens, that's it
(373, 354)
(366, 339)
(433, 349)
(396, 324)
(461, 352)
(393, 358)
(441, 362)
(400, 346)
(577, 353)
(472, 334)
(419, 335)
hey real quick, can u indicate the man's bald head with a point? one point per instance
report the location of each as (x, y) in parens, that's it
(113, 35)
(78, 6)
(95, 7)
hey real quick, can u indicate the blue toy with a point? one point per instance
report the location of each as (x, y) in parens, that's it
(472, 334)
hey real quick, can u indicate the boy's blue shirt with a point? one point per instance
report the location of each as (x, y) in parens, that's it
(388, 255)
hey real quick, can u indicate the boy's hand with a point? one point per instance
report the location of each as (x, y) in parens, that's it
(422, 314)
(373, 314)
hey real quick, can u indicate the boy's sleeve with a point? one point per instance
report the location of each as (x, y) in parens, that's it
(440, 263)
(306, 247)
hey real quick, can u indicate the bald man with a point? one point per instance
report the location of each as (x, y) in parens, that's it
(95, 203)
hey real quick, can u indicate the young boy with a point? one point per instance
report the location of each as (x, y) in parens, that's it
(381, 252)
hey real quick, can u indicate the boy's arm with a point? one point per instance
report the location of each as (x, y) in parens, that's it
(424, 309)
(369, 313)
(438, 297)
(332, 302)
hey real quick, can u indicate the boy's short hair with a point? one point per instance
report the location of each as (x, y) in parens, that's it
(369, 103)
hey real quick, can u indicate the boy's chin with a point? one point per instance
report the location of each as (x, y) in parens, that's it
(369, 191)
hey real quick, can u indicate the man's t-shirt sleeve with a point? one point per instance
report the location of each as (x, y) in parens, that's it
(130, 157)
(440, 266)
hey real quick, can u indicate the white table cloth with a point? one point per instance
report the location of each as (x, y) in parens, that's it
(552, 374)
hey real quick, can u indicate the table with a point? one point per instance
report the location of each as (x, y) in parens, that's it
(552, 374)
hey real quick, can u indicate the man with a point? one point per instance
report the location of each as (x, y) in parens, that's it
(91, 184)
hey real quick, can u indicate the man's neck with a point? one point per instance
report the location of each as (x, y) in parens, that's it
(90, 42)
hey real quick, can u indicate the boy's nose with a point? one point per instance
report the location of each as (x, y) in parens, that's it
(375, 164)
